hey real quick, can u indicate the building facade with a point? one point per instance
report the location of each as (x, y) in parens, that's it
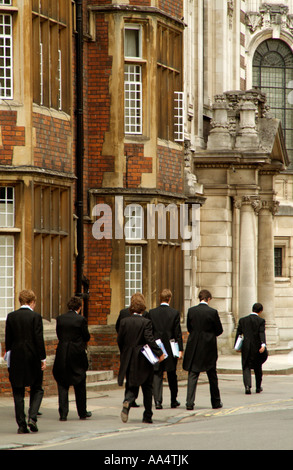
(36, 153)
(240, 149)
(147, 144)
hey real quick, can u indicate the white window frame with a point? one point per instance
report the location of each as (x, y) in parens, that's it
(133, 99)
(7, 268)
(60, 78)
(134, 222)
(133, 92)
(6, 43)
(179, 116)
(7, 207)
(136, 27)
(41, 75)
(133, 271)
(7, 250)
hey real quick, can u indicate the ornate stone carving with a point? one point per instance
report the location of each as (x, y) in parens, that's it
(274, 16)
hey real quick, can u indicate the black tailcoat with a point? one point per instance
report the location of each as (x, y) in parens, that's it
(166, 326)
(203, 325)
(252, 327)
(134, 332)
(71, 361)
(24, 338)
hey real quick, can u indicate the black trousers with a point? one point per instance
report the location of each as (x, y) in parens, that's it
(257, 367)
(158, 385)
(80, 399)
(131, 394)
(214, 389)
(36, 396)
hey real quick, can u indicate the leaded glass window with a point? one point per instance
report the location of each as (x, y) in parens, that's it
(273, 74)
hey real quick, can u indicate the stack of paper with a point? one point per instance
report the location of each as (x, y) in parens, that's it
(160, 344)
(239, 342)
(148, 353)
(174, 347)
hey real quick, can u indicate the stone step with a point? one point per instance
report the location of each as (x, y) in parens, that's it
(99, 375)
(101, 380)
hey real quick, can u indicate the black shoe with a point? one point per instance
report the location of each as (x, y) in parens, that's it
(220, 405)
(147, 420)
(32, 425)
(189, 407)
(258, 390)
(175, 404)
(62, 418)
(247, 390)
(23, 430)
(125, 411)
(158, 406)
(87, 415)
(134, 405)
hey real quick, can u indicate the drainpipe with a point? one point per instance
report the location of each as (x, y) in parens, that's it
(79, 203)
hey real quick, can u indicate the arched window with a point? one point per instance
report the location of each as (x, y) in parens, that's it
(273, 74)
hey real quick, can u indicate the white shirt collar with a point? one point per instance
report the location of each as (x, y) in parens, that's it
(26, 306)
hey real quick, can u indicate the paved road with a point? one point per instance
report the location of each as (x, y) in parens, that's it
(246, 422)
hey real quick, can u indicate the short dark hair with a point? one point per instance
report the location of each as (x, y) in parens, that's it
(257, 308)
(204, 295)
(74, 303)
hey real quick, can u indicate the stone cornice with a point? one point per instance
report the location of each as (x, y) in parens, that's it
(135, 9)
(144, 193)
(35, 171)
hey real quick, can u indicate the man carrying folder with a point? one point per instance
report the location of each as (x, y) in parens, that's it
(134, 333)
(166, 326)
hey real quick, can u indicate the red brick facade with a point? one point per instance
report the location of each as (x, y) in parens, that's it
(103, 111)
(53, 143)
(10, 136)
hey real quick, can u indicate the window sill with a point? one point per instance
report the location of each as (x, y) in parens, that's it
(9, 230)
(282, 280)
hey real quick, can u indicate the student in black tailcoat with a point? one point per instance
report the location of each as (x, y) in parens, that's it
(253, 351)
(135, 331)
(201, 352)
(166, 326)
(125, 312)
(71, 361)
(25, 350)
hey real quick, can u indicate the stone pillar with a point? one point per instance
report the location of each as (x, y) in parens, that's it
(247, 135)
(219, 137)
(247, 255)
(266, 275)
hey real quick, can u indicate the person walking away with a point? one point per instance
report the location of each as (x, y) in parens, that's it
(25, 351)
(253, 352)
(125, 312)
(201, 352)
(166, 326)
(71, 361)
(135, 332)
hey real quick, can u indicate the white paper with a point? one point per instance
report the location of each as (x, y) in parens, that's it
(148, 353)
(160, 344)
(238, 344)
(174, 347)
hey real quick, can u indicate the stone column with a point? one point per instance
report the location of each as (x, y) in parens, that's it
(247, 255)
(266, 275)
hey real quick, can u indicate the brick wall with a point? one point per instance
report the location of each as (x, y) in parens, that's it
(136, 164)
(10, 136)
(170, 172)
(53, 137)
